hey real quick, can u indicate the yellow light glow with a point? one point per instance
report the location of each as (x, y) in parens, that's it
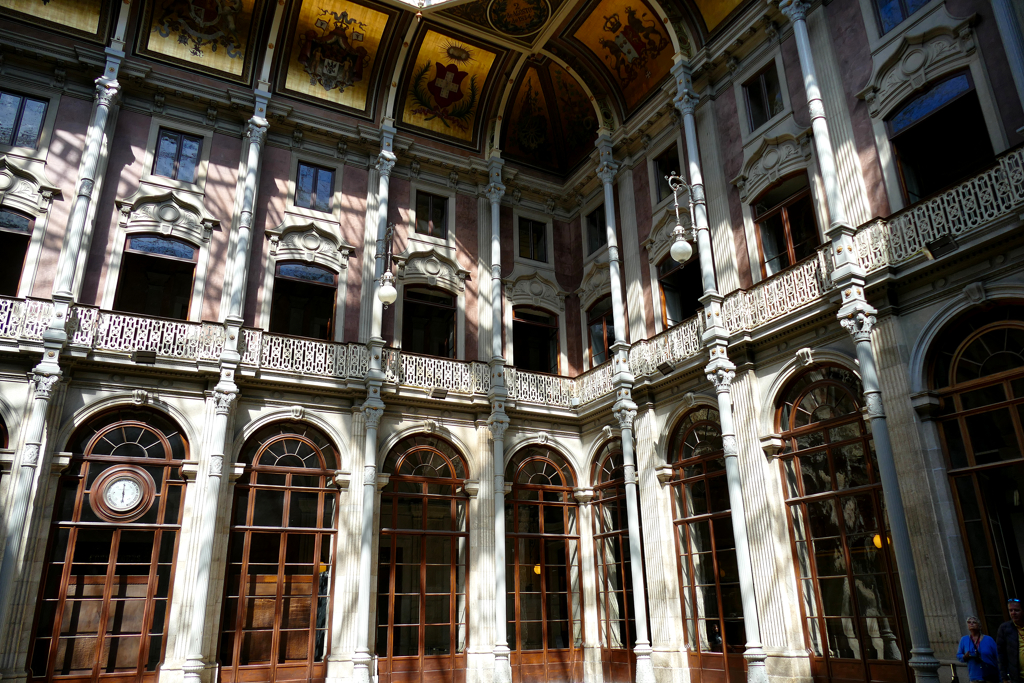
(878, 541)
(536, 569)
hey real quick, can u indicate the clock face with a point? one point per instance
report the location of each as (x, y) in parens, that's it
(123, 493)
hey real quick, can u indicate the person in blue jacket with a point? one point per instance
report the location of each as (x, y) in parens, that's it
(979, 652)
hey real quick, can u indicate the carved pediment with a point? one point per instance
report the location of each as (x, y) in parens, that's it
(535, 290)
(917, 60)
(596, 283)
(774, 158)
(167, 213)
(660, 240)
(430, 266)
(311, 242)
(22, 187)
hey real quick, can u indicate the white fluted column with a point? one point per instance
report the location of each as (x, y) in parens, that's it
(720, 371)
(858, 317)
(498, 422)
(373, 409)
(1013, 41)
(257, 134)
(44, 378)
(624, 411)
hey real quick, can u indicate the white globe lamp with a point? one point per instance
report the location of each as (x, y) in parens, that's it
(387, 292)
(681, 250)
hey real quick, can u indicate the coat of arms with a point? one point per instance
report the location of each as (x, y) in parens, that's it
(440, 96)
(332, 57)
(634, 45)
(202, 24)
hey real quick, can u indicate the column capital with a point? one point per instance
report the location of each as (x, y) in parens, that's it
(795, 10)
(498, 424)
(256, 131)
(223, 400)
(43, 384)
(721, 375)
(625, 416)
(495, 191)
(606, 172)
(583, 495)
(859, 323)
(107, 91)
(373, 415)
(385, 162)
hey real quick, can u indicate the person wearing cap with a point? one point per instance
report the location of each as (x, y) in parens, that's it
(978, 651)
(1010, 643)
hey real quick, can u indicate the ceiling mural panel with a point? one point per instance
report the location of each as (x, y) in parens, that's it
(87, 19)
(516, 20)
(218, 37)
(628, 38)
(335, 52)
(551, 123)
(446, 85)
(714, 12)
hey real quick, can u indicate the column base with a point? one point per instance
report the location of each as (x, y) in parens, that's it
(757, 670)
(192, 668)
(925, 666)
(361, 667)
(644, 664)
(502, 665)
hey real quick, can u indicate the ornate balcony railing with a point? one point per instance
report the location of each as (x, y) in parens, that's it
(431, 372)
(535, 387)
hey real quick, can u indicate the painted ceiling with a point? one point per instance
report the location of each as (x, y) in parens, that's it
(541, 75)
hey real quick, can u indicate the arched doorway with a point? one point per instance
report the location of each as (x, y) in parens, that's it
(977, 369)
(851, 602)
(617, 623)
(278, 582)
(109, 567)
(708, 573)
(423, 562)
(545, 629)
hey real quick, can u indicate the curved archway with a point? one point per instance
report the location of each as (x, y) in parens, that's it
(423, 563)
(976, 368)
(708, 573)
(617, 623)
(846, 571)
(542, 549)
(278, 587)
(110, 558)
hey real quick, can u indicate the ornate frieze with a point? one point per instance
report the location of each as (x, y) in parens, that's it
(535, 290)
(432, 267)
(774, 158)
(167, 213)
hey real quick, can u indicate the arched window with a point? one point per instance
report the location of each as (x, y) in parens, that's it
(304, 300)
(614, 574)
(545, 623)
(708, 574)
(277, 598)
(423, 563)
(110, 561)
(156, 277)
(978, 371)
(927, 117)
(15, 233)
(787, 231)
(851, 600)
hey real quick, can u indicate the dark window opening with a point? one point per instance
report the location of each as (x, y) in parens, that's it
(925, 167)
(177, 156)
(314, 187)
(304, 300)
(787, 231)
(428, 322)
(602, 331)
(892, 12)
(533, 240)
(666, 164)
(431, 215)
(597, 230)
(156, 277)
(681, 289)
(764, 97)
(15, 233)
(535, 340)
(21, 120)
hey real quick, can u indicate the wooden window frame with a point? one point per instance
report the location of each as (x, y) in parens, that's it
(556, 327)
(783, 208)
(431, 199)
(454, 308)
(19, 118)
(177, 156)
(608, 322)
(531, 228)
(758, 81)
(602, 231)
(313, 196)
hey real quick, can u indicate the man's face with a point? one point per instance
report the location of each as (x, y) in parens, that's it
(1016, 613)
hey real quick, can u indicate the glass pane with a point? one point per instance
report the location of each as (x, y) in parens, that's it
(302, 271)
(9, 105)
(31, 123)
(188, 162)
(162, 247)
(166, 153)
(954, 444)
(268, 509)
(773, 244)
(324, 189)
(437, 640)
(992, 436)
(303, 509)
(304, 186)
(889, 14)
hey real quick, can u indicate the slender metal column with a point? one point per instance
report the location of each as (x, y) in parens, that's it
(624, 411)
(373, 409)
(498, 422)
(44, 377)
(1013, 41)
(858, 317)
(720, 372)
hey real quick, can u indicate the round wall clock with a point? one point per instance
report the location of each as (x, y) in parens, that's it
(122, 493)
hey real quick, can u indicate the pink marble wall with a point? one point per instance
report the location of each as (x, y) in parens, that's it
(221, 182)
(353, 223)
(399, 213)
(271, 198)
(63, 158)
(569, 274)
(731, 151)
(642, 201)
(466, 238)
(124, 170)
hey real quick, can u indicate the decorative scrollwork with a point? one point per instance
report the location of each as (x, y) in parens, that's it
(216, 465)
(30, 456)
(729, 444)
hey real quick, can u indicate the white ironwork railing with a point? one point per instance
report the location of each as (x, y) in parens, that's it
(992, 194)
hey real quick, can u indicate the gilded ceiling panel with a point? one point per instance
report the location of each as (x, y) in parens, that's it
(714, 12)
(83, 18)
(629, 39)
(218, 37)
(446, 85)
(335, 52)
(517, 20)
